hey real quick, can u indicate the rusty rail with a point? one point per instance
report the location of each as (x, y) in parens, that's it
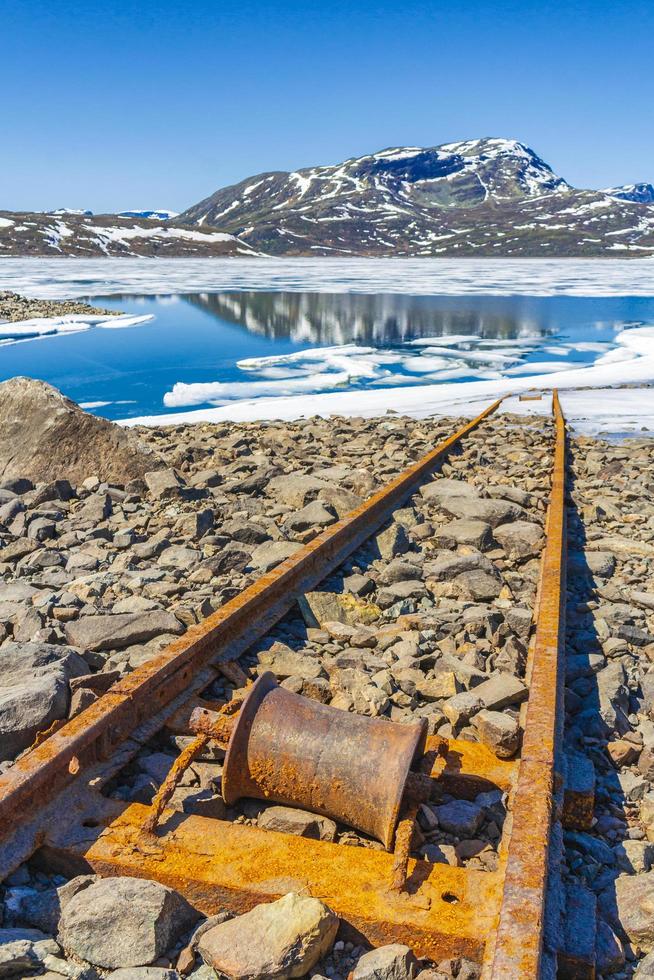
(517, 946)
(99, 729)
(496, 917)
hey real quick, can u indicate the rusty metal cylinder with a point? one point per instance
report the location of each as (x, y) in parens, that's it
(289, 749)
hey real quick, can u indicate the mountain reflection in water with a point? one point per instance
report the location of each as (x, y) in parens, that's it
(377, 320)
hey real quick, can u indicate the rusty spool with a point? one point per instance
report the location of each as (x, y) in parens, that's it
(295, 751)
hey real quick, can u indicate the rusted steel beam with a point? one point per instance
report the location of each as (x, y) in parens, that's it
(95, 732)
(443, 911)
(516, 948)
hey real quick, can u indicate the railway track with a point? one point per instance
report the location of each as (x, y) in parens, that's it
(509, 918)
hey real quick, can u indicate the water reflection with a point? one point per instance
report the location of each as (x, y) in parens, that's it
(376, 320)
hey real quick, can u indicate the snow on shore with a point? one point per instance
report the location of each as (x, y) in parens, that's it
(48, 326)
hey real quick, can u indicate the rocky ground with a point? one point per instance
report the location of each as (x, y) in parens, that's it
(14, 307)
(432, 619)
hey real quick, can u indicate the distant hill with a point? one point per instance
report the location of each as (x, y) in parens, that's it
(492, 197)
(86, 234)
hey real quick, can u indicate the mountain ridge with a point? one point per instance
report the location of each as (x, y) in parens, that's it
(488, 196)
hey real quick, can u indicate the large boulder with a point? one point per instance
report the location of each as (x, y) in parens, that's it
(124, 922)
(45, 436)
(34, 691)
(282, 939)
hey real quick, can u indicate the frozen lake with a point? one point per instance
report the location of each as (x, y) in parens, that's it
(254, 338)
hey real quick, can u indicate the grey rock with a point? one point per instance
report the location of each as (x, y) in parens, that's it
(498, 731)
(272, 553)
(315, 514)
(460, 817)
(113, 632)
(392, 541)
(478, 585)
(282, 939)
(286, 662)
(124, 922)
(520, 539)
(634, 897)
(145, 973)
(163, 484)
(23, 951)
(288, 820)
(34, 691)
(43, 909)
(45, 436)
(394, 962)
(500, 691)
(645, 969)
(295, 490)
(475, 533)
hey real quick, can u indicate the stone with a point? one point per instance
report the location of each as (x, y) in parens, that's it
(163, 484)
(598, 563)
(609, 954)
(288, 820)
(645, 969)
(634, 856)
(500, 691)
(113, 632)
(315, 514)
(295, 490)
(462, 707)
(460, 818)
(394, 962)
(272, 553)
(124, 922)
(145, 973)
(34, 691)
(24, 951)
(622, 546)
(318, 608)
(634, 897)
(442, 489)
(498, 731)
(444, 684)
(277, 940)
(392, 541)
(475, 533)
(45, 436)
(43, 909)
(521, 539)
(478, 585)
(284, 662)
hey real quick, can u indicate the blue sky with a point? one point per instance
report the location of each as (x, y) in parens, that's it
(111, 105)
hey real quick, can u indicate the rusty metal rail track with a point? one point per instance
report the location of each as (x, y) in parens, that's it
(50, 801)
(94, 734)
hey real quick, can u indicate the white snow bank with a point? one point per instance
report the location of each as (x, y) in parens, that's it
(48, 326)
(440, 399)
(73, 277)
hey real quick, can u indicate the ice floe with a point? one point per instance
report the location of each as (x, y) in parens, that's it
(73, 277)
(48, 326)
(464, 397)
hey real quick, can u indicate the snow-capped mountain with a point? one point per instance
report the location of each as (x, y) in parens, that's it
(70, 233)
(477, 197)
(641, 193)
(160, 214)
